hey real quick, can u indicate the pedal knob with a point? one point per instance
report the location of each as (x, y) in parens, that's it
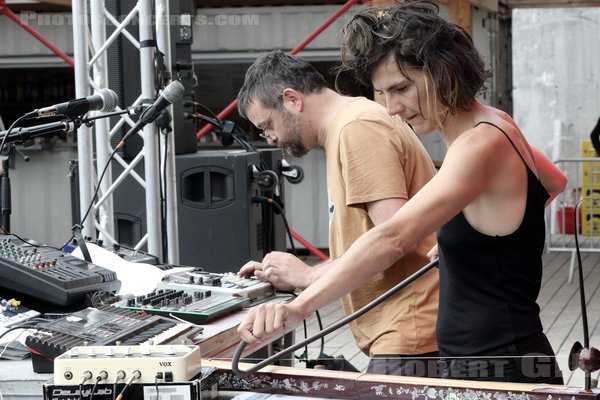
(145, 351)
(170, 351)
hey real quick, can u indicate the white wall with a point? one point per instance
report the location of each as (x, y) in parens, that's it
(556, 74)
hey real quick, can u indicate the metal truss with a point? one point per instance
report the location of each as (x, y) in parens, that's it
(90, 46)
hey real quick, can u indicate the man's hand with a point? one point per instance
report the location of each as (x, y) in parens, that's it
(283, 270)
(266, 321)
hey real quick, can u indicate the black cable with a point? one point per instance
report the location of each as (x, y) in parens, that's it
(269, 227)
(13, 328)
(295, 253)
(205, 108)
(10, 128)
(163, 198)
(156, 386)
(86, 376)
(119, 376)
(287, 227)
(322, 350)
(98, 379)
(112, 155)
(33, 244)
(135, 376)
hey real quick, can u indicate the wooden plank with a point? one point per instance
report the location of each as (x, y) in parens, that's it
(460, 12)
(554, 277)
(553, 264)
(561, 298)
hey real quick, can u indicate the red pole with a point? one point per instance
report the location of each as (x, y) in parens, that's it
(8, 12)
(309, 246)
(300, 46)
(323, 26)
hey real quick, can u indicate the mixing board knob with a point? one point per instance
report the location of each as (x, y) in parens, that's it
(110, 352)
(91, 352)
(170, 351)
(127, 352)
(74, 352)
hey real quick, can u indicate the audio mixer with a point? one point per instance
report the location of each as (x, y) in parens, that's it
(50, 274)
(13, 313)
(105, 326)
(197, 306)
(227, 283)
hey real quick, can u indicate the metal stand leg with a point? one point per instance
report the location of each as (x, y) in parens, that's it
(572, 266)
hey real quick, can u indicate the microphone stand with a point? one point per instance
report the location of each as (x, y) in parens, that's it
(23, 135)
(5, 195)
(131, 111)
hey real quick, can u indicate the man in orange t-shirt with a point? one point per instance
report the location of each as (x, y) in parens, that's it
(375, 163)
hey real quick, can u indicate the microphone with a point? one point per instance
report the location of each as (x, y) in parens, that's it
(23, 134)
(172, 93)
(105, 100)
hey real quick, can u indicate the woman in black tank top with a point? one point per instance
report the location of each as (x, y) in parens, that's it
(486, 202)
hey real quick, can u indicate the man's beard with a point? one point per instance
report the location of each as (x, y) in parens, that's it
(293, 125)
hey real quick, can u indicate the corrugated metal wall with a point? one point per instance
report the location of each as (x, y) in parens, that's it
(218, 32)
(261, 28)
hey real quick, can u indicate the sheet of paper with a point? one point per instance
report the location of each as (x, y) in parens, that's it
(136, 278)
(12, 344)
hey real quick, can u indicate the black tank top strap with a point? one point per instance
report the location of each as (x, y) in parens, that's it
(505, 134)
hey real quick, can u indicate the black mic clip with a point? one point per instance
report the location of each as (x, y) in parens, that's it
(26, 158)
(164, 121)
(7, 150)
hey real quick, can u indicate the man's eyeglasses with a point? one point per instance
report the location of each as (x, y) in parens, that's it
(267, 126)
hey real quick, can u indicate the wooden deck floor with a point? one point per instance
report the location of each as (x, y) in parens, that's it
(560, 307)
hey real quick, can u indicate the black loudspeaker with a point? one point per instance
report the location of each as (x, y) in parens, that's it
(220, 226)
(124, 73)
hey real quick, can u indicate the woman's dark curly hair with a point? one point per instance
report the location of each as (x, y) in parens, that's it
(416, 37)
